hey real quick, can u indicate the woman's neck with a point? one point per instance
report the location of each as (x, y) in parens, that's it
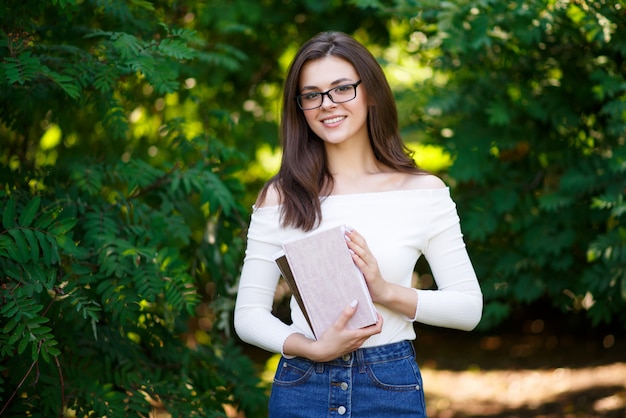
(349, 161)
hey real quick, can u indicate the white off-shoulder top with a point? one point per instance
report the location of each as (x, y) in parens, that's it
(399, 226)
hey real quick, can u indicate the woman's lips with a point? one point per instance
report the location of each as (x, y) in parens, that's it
(334, 120)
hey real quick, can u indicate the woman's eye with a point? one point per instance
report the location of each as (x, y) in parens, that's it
(310, 96)
(343, 89)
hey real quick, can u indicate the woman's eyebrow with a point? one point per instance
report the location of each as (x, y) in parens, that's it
(334, 83)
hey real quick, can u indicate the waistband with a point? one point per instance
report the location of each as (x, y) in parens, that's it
(376, 354)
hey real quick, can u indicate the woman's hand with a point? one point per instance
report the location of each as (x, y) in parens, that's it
(400, 299)
(366, 262)
(336, 341)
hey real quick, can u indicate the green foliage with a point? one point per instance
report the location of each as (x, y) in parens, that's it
(533, 110)
(120, 236)
(108, 273)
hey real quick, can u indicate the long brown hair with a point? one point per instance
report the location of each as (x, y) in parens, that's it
(304, 177)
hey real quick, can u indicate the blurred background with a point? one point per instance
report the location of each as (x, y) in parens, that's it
(135, 134)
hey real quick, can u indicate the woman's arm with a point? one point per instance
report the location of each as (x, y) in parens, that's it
(457, 302)
(254, 321)
(390, 295)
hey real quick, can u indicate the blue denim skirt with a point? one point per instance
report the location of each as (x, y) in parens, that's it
(376, 382)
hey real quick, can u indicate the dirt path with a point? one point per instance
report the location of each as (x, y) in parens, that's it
(523, 375)
(562, 392)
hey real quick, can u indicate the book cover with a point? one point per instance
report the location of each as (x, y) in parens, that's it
(324, 280)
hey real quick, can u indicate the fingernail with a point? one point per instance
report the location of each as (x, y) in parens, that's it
(347, 238)
(354, 303)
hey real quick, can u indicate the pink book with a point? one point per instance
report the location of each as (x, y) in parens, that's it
(324, 280)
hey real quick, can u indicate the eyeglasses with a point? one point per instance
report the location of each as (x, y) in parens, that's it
(340, 94)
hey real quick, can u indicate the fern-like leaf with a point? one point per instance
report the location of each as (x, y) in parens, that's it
(176, 48)
(22, 69)
(68, 83)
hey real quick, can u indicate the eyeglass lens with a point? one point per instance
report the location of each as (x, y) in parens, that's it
(339, 94)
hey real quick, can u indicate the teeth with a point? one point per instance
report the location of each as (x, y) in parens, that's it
(334, 120)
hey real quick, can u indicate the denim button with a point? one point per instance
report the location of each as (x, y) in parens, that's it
(344, 386)
(341, 410)
(346, 357)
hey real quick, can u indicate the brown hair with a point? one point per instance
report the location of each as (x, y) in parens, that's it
(303, 177)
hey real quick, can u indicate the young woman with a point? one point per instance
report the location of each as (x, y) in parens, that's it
(344, 163)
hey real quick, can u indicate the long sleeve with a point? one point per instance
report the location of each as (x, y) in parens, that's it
(254, 321)
(457, 302)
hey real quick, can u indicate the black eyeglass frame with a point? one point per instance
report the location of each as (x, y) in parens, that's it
(327, 93)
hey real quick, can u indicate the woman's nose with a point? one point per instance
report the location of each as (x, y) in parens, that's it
(327, 102)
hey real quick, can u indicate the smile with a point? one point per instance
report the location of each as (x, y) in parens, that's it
(333, 120)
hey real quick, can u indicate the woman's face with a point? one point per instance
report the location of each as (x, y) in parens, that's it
(335, 123)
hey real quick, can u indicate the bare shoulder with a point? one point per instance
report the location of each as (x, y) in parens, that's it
(423, 181)
(269, 196)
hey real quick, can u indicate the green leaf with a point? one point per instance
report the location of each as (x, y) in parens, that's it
(48, 349)
(9, 309)
(64, 3)
(503, 200)
(67, 83)
(21, 69)
(216, 192)
(22, 250)
(16, 334)
(553, 202)
(15, 272)
(117, 122)
(5, 243)
(45, 246)
(480, 223)
(22, 345)
(68, 246)
(47, 218)
(8, 215)
(498, 114)
(128, 46)
(12, 324)
(54, 256)
(106, 78)
(176, 48)
(144, 4)
(63, 226)
(42, 331)
(39, 275)
(28, 214)
(33, 243)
